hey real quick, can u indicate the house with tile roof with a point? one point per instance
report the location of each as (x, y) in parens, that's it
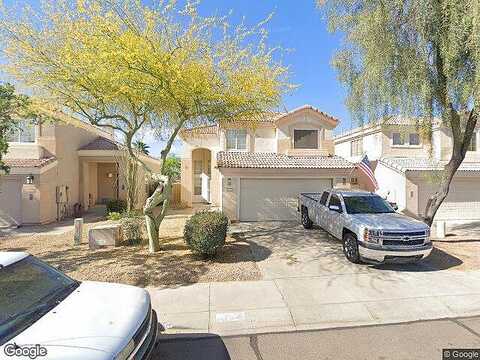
(255, 170)
(408, 166)
(56, 167)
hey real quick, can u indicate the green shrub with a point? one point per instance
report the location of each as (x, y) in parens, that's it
(114, 216)
(118, 206)
(132, 230)
(205, 232)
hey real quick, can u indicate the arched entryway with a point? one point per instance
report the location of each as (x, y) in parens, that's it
(201, 175)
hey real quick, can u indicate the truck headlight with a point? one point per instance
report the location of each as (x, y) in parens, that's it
(372, 235)
(127, 350)
(427, 236)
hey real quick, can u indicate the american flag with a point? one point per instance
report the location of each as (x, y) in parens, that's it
(364, 167)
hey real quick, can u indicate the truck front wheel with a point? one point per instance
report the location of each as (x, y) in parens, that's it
(350, 248)
(306, 222)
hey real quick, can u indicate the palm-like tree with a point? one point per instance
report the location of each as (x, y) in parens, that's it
(142, 147)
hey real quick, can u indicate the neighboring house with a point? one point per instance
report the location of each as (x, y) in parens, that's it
(55, 166)
(408, 168)
(255, 173)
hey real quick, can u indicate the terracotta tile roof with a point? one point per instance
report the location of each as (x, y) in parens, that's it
(203, 130)
(233, 159)
(423, 164)
(29, 163)
(100, 143)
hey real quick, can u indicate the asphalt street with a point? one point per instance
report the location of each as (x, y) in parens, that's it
(406, 341)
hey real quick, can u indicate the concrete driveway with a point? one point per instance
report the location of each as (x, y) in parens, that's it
(295, 252)
(307, 284)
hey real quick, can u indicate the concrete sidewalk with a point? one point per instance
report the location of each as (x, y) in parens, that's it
(306, 303)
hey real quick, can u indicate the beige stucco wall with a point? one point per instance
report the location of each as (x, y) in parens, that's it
(10, 200)
(48, 195)
(390, 150)
(306, 121)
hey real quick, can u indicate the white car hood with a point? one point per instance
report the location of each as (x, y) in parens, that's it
(96, 321)
(389, 221)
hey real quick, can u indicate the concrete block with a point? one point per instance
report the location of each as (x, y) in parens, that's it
(108, 235)
(440, 228)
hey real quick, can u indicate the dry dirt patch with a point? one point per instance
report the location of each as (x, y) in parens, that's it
(133, 265)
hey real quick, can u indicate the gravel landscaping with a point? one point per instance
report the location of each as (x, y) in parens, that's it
(174, 264)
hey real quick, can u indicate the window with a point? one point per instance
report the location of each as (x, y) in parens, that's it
(236, 139)
(414, 139)
(305, 139)
(323, 199)
(25, 133)
(356, 147)
(473, 143)
(398, 139)
(335, 201)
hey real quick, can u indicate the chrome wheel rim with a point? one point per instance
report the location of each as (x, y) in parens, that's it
(305, 219)
(350, 249)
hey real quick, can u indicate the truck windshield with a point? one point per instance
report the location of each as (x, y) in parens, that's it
(367, 205)
(29, 289)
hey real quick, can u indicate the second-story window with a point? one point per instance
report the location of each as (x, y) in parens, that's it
(236, 139)
(25, 133)
(356, 147)
(414, 139)
(305, 139)
(398, 139)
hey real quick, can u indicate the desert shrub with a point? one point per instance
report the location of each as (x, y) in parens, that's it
(114, 216)
(132, 229)
(117, 205)
(205, 232)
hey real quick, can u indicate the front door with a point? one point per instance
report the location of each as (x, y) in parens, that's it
(201, 176)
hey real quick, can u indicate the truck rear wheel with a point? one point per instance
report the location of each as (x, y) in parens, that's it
(350, 248)
(306, 222)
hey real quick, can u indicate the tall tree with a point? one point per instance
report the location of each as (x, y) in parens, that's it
(419, 58)
(13, 107)
(126, 66)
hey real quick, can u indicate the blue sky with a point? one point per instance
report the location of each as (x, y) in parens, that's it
(296, 25)
(300, 26)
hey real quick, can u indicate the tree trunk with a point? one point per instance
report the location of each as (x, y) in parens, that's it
(160, 197)
(461, 142)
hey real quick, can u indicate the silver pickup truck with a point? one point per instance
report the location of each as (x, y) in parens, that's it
(368, 225)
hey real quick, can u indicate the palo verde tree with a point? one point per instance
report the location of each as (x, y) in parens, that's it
(417, 58)
(126, 66)
(13, 107)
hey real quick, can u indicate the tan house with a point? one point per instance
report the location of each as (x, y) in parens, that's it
(408, 168)
(57, 167)
(255, 173)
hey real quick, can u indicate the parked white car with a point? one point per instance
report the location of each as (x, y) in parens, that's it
(44, 314)
(370, 228)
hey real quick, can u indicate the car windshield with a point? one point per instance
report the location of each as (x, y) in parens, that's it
(367, 205)
(29, 289)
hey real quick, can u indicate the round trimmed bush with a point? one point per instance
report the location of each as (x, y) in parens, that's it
(205, 232)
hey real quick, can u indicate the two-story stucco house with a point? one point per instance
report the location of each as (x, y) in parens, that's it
(57, 166)
(255, 173)
(408, 168)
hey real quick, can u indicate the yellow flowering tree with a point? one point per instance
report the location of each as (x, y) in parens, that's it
(126, 66)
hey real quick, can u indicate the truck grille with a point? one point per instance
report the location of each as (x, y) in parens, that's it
(413, 238)
(402, 243)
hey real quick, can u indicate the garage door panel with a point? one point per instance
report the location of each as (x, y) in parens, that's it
(275, 199)
(10, 203)
(462, 202)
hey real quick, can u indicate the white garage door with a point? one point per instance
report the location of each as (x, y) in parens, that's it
(10, 202)
(275, 199)
(462, 202)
